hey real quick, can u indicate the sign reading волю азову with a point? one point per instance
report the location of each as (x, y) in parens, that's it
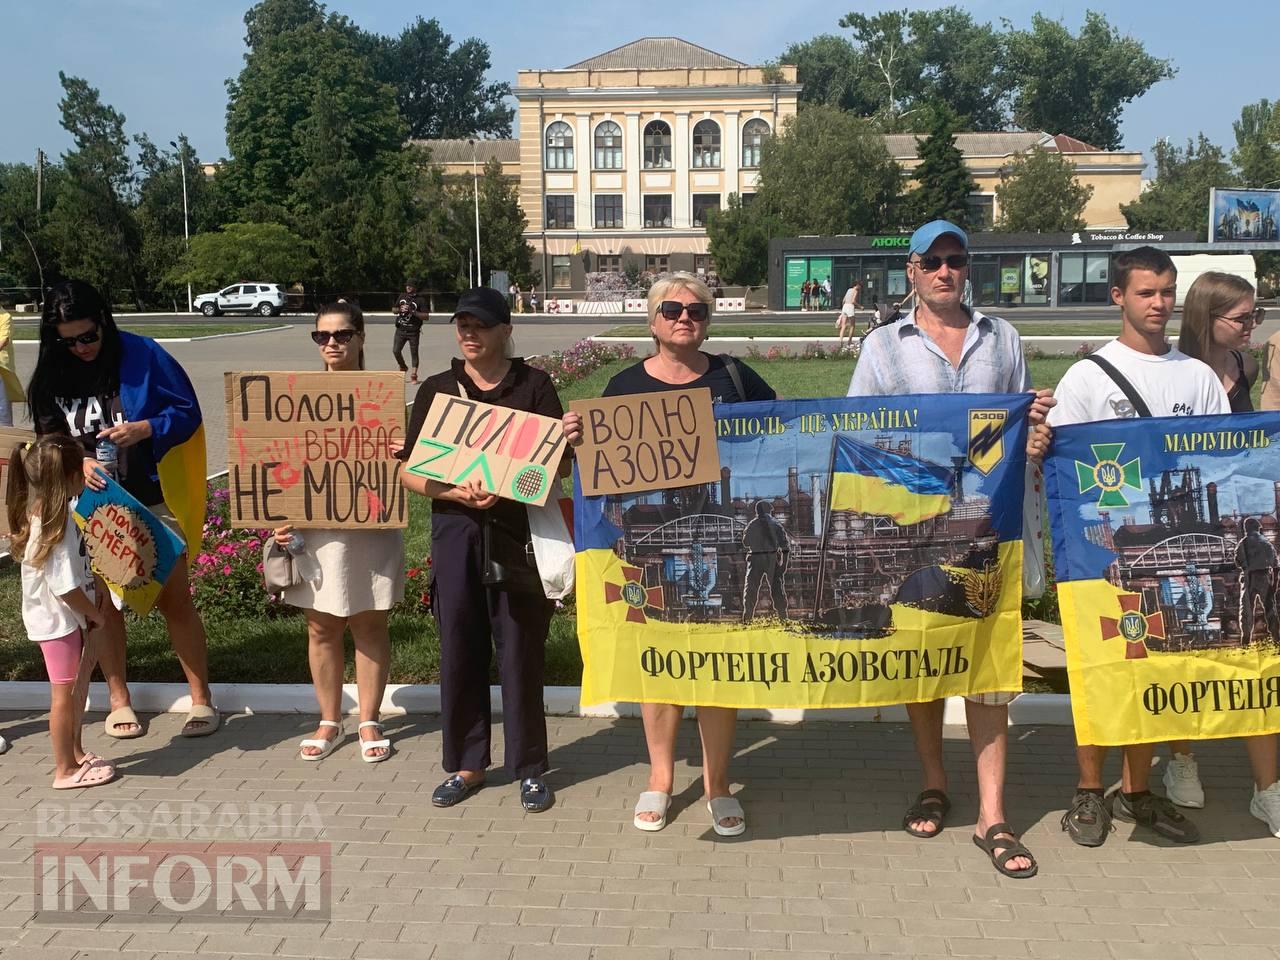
(647, 441)
(315, 449)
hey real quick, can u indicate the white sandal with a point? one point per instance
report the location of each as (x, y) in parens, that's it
(652, 801)
(367, 745)
(722, 808)
(325, 747)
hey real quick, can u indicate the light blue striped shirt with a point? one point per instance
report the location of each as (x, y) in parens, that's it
(901, 358)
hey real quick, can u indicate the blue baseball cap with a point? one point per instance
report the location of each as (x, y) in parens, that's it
(924, 238)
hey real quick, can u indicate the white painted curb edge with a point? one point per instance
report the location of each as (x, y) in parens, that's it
(288, 698)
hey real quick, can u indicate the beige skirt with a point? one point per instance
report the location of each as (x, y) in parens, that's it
(359, 570)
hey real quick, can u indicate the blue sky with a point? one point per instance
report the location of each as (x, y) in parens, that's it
(163, 63)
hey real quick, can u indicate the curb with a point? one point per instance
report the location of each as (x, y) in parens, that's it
(1043, 709)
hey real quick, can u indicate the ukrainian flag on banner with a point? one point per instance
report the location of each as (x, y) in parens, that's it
(868, 479)
(853, 552)
(1164, 552)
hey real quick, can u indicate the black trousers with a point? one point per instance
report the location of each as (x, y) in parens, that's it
(397, 347)
(474, 621)
(1256, 585)
(764, 567)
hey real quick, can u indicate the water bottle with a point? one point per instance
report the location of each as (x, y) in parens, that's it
(107, 454)
(304, 562)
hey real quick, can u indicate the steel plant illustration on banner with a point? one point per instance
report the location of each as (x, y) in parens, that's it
(1164, 535)
(853, 552)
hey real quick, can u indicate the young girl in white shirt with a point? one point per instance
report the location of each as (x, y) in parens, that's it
(60, 599)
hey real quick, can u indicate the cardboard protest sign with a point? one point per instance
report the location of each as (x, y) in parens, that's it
(647, 441)
(513, 453)
(129, 546)
(852, 552)
(315, 449)
(9, 437)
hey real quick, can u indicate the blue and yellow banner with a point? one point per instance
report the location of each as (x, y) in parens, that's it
(1164, 541)
(855, 552)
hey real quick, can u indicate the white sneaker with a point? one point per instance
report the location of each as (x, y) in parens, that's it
(4, 744)
(1182, 781)
(1266, 807)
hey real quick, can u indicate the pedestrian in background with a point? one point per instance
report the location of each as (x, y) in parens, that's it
(10, 385)
(409, 319)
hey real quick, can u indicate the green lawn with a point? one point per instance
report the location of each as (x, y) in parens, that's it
(159, 331)
(763, 331)
(275, 650)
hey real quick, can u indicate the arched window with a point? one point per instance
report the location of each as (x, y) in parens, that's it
(706, 144)
(608, 146)
(657, 145)
(754, 132)
(559, 146)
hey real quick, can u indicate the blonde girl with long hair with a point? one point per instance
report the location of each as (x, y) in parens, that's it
(61, 599)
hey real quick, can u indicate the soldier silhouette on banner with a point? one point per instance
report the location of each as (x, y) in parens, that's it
(1256, 560)
(767, 550)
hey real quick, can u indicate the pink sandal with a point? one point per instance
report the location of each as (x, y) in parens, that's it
(93, 772)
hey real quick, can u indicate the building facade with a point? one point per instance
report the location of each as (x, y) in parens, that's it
(622, 155)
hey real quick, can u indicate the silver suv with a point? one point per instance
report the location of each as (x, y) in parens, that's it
(264, 299)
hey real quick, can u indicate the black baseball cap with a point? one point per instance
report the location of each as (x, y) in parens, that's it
(485, 304)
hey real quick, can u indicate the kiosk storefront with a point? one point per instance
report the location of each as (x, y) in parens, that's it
(1006, 269)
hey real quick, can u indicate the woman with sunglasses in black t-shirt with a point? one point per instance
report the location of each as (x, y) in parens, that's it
(679, 317)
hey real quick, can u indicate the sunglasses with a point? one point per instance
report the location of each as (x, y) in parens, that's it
(92, 336)
(671, 310)
(341, 337)
(1252, 319)
(932, 264)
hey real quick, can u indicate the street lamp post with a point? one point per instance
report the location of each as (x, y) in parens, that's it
(186, 224)
(475, 188)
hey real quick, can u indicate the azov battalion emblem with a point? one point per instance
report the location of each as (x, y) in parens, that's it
(986, 438)
(634, 594)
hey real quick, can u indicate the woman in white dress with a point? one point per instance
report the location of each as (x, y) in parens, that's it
(361, 579)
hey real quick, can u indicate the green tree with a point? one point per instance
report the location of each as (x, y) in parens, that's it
(739, 240)
(828, 173)
(1257, 152)
(268, 250)
(92, 224)
(1178, 197)
(440, 88)
(502, 225)
(27, 251)
(159, 205)
(943, 182)
(898, 62)
(1039, 193)
(299, 57)
(1078, 85)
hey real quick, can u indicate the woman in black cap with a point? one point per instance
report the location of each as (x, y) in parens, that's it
(512, 614)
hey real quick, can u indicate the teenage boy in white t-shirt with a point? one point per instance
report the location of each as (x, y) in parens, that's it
(1169, 384)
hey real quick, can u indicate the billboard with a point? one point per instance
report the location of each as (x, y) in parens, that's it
(1237, 214)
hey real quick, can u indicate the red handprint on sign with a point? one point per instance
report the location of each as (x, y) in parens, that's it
(371, 400)
(285, 453)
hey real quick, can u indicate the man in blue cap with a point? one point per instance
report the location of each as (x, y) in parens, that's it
(942, 346)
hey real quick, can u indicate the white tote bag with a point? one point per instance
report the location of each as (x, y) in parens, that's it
(552, 546)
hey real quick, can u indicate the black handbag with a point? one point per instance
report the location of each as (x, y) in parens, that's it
(507, 557)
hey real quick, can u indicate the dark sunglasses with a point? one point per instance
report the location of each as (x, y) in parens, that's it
(1248, 320)
(91, 336)
(932, 264)
(671, 310)
(342, 337)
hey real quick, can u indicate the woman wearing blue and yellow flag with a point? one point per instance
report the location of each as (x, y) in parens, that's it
(133, 409)
(679, 317)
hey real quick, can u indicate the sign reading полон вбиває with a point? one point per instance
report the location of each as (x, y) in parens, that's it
(315, 449)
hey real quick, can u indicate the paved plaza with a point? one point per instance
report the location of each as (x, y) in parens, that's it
(823, 872)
